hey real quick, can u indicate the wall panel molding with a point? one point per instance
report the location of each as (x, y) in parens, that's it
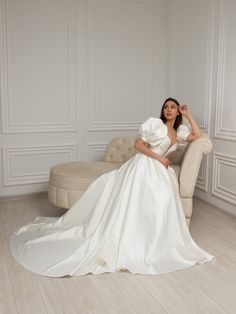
(15, 158)
(96, 150)
(218, 190)
(8, 125)
(220, 131)
(210, 7)
(95, 124)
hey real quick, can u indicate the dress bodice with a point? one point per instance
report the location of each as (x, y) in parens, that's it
(154, 132)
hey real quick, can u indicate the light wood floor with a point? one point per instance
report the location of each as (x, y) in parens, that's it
(206, 288)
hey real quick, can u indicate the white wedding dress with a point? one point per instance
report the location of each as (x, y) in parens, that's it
(130, 218)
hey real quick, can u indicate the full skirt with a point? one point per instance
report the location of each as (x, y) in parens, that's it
(130, 218)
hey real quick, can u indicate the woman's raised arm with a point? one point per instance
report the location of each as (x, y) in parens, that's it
(196, 132)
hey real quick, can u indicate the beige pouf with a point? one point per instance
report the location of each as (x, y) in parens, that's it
(68, 181)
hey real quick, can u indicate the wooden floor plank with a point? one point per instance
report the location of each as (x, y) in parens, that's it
(30, 305)
(23, 283)
(82, 295)
(5, 283)
(206, 288)
(112, 299)
(7, 302)
(55, 296)
(165, 295)
(185, 285)
(139, 296)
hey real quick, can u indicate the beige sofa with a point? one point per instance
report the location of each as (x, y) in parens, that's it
(68, 181)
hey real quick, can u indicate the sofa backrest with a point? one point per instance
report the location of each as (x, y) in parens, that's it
(188, 157)
(120, 149)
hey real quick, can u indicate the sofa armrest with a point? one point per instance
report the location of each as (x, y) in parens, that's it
(191, 164)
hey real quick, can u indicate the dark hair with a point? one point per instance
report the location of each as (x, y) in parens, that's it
(178, 119)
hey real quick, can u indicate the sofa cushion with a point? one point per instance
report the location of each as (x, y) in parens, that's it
(78, 175)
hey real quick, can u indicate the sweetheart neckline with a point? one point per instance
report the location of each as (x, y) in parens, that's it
(170, 147)
(172, 144)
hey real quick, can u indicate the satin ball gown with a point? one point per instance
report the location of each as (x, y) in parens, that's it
(129, 218)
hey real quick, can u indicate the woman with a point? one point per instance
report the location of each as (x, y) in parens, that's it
(128, 219)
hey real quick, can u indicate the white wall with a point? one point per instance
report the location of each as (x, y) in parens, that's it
(203, 74)
(74, 74)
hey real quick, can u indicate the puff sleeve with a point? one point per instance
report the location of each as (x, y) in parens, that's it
(183, 132)
(153, 131)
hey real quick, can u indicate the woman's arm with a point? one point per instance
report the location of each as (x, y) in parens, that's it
(196, 132)
(140, 145)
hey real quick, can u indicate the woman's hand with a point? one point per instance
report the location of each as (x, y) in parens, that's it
(140, 145)
(184, 110)
(165, 162)
(196, 132)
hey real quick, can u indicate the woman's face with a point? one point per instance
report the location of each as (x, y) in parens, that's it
(170, 110)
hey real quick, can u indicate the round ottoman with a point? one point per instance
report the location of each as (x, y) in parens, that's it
(68, 181)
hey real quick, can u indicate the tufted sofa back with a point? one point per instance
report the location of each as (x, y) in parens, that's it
(120, 149)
